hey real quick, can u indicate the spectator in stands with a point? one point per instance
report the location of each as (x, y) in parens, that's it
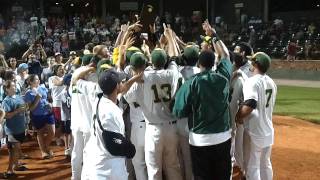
(66, 114)
(291, 51)
(59, 58)
(47, 72)
(15, 108)
(41, 115)
(252, 37)
(13, 64)
(56, 88)
(9, 76)
(34, 64)
(22, 76)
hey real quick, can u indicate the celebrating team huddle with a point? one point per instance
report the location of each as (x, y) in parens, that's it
(194, 113)
(160, 109)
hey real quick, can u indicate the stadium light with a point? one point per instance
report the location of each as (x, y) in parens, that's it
(87, 5)
(71, 4)
(57, 3)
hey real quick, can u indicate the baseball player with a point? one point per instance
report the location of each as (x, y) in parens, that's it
(259, 94)
(106, 159)
(245, 50)
(94, 166)
(81, 110)
(190, 57)
(154, 97)
(236, 90)
(138, 128)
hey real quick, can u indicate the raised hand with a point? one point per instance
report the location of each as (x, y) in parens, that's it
(136, 27)
(152, 28)
(124, 27)
(209, 31)
(129, 42)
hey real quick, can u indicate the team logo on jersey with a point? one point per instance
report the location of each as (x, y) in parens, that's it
(118, 141)
(75, 90)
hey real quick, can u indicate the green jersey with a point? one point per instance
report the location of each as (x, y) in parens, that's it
(204, 99)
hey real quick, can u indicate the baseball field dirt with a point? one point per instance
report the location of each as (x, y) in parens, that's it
(296, 154)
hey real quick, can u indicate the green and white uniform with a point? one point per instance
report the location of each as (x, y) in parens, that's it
(161, 140)
(258, 127)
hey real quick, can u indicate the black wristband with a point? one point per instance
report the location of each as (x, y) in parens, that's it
(215, 39)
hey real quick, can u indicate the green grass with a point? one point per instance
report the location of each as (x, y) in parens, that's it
(299, 102)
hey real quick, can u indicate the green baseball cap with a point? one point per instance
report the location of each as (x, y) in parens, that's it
(191, 54)
(131, 50)
(158, 57)
(137, 60)
(86, 59)
(262, 59)
(102, 65)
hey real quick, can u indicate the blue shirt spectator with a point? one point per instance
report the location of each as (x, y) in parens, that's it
(43, 106)
(15, 124)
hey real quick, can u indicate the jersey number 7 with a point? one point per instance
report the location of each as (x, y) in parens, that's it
(268, 93)
(167, 88)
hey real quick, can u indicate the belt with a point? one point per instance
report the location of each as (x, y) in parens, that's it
(164, 123)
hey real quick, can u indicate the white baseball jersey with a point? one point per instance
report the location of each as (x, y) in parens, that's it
(102, 164)
(155, 94)
(136, 114)
(236, 92)
(246, 69)
(259, 123)
(82, 97)
(188, 71)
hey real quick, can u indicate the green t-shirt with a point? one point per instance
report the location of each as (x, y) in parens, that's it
(204, 99)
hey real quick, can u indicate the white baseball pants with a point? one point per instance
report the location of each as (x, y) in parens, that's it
(138, 130)
(257, 160)
(238, 152)
(161, 144)
(80, 139)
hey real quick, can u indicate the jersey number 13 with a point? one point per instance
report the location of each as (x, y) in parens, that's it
(164, 87)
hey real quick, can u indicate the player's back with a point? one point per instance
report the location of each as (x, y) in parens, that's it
(260, 123)
(159, 89)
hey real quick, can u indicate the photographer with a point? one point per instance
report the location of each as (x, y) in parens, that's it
(34, 56)
(37, 49)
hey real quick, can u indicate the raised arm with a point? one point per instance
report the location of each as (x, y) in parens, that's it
(124, 28)
(172, 46)
(3, 61)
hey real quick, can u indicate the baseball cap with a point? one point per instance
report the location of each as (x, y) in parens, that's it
(191, 54)
(158, 57)
(95, 60)
(103, 65)
(109, 79)
(57, 54)
(262, 59)
(22, 67)
(137, 60)
(86, 59)
(130, 51)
